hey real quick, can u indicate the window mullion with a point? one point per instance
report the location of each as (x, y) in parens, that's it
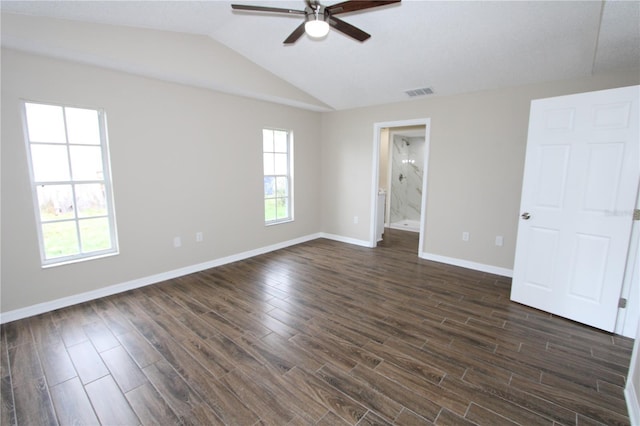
(66, 138)
(106, 174)
(74, 199)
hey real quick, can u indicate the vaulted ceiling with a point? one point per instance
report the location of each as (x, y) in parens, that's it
(448, 46)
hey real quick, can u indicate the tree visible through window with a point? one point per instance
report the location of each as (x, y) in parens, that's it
(276, 147)
(70, 180)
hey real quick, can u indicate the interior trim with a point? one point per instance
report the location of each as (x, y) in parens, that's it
(75, 299)
(64, 302)
(633, 404)
(496, 270)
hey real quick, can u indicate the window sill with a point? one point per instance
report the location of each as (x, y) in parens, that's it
(79, 259)
(278, 222)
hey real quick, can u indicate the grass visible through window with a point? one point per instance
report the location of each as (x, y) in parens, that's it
(61, 238)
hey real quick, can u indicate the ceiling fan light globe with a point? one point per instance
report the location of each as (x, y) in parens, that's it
(316, 28)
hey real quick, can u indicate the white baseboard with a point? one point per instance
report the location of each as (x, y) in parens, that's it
(153, 279)
(630, 392)
(633, 406)
(430, 256)
(496, 270)
(144, 281)
(347, 240)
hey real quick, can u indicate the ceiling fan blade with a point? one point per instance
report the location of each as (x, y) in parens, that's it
(266, 9)
(348, 29)
(295, 35)
(355, 5)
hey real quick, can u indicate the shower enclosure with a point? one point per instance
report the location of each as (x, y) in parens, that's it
(407, 162)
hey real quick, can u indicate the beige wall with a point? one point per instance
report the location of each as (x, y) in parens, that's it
(183, 160)
(188, 159)
(477, 146)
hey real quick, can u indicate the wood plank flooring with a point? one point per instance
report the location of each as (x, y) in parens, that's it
(320, 333)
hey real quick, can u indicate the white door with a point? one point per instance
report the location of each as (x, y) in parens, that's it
(580, 183)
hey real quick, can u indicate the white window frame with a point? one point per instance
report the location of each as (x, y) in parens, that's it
(106, 181)
(288, 176)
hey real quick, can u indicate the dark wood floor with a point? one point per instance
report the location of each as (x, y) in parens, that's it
(320, 333)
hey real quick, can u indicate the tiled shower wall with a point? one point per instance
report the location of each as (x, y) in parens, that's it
(407, 159)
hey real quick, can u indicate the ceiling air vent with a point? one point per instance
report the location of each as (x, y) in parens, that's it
(419, 92)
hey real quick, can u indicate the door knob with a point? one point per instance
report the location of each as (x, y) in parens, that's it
(525, 216)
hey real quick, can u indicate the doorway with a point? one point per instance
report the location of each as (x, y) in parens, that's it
(405, 175)
(412, 208)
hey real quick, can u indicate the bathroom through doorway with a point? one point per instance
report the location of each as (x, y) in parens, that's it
(401, 152)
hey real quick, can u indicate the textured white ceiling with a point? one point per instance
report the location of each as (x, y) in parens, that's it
(450, 46)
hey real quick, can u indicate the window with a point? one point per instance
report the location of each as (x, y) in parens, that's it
(70, 181)
(278, 176)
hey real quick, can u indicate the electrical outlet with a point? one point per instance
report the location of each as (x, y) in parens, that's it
(499, 240)
(199, 237)
(465, 236)
(356, 220)
(177, 242)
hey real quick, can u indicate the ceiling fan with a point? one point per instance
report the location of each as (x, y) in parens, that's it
(318, 18)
